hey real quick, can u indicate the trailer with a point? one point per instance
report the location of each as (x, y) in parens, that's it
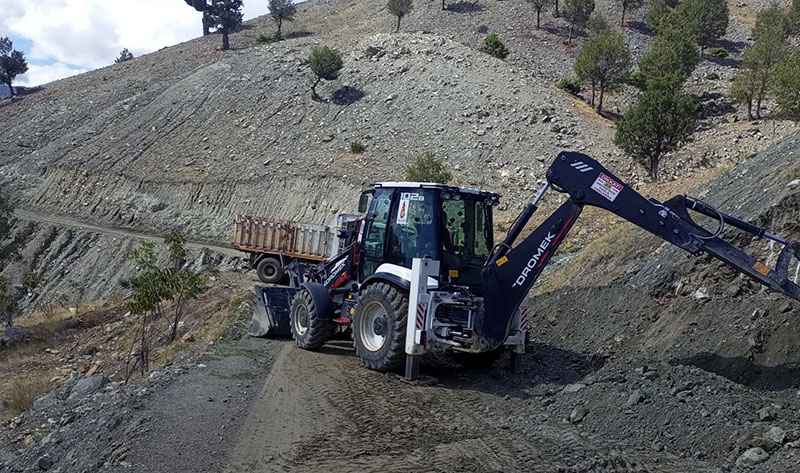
(272, 244)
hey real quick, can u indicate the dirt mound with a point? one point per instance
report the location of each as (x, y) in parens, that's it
(652, 301)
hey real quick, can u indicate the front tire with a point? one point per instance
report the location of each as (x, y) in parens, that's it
(379, 327)
(309, 331)
(269, 270)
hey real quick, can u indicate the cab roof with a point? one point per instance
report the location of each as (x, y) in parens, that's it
(432, 185)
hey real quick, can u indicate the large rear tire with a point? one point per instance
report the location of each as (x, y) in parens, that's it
(269, 270)
(379, 327)
(309, 331)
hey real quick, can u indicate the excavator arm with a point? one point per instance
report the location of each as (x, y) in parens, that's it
(511, 271)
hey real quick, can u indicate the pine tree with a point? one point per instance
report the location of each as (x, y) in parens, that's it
(659, 10)
(753, 81)
(787, 87)
(325, 63)
(12, 63)
(671, 60)
(280, 11)
(629, 5)
(399, 8)
(707, 20)
(577, 13)
(201, 6)
(226, 16)
(604, 62)
(539, 5)
(660, 122)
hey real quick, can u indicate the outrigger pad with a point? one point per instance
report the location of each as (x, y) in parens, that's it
(271, 311)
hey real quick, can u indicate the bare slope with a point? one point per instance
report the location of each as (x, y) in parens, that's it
(243, 135)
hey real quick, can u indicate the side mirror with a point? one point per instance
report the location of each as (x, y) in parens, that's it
(363, 202)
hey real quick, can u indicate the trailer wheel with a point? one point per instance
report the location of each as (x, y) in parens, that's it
(308, 330)
(379, 327)
(269, 270)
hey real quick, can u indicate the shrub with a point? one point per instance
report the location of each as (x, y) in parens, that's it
(428, 168)
(357, 147)
(718, 52)
(264, 39)
(637, 79)
(569, 84)
(494, 47)
(712, 76)
(325, 64)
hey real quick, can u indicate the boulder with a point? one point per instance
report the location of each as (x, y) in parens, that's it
(48, 400)
(752, 457)
(776, 434)
(86, 386)
(578, 414)
(636, 397)
(766, 414)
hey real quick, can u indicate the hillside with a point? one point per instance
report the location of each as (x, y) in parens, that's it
(641, 359)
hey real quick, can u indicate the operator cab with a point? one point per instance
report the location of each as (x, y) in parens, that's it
(408, 220)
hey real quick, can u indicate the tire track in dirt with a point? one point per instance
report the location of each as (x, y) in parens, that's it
(323, 411)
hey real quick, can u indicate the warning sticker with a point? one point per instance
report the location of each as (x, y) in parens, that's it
(607, 187)
(402, 211)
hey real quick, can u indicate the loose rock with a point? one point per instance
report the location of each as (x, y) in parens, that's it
(87, 386)
(578, 414)
(752, 457)
(767, 414)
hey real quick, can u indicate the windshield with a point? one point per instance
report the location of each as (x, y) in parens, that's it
(412, 227)
(466, 239)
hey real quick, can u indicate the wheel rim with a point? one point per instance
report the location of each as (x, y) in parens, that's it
(300, 320)
(372, 326)
(269, 271)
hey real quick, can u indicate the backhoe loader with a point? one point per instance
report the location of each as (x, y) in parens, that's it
(421, 273)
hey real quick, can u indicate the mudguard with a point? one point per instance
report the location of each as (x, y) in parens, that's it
(323, 301)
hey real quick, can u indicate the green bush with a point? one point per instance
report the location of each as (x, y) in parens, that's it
(569, 84)
(637, 79)
(264, 39)
(428, 168)
(494, 47)
(712, 76)
(718, 52)
(357, 147)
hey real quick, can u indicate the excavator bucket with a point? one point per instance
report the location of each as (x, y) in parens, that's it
(271, 311)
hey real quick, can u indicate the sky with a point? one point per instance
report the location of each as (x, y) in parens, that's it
(61, 38)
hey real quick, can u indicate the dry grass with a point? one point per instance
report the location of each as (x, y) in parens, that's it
(24, 392)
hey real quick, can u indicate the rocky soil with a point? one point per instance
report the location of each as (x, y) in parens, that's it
(641, 359)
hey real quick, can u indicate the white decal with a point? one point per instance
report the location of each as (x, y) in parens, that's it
(581, 166)
(402, 210)
(607, 187)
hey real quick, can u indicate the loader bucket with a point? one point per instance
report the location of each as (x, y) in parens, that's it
(271, 311)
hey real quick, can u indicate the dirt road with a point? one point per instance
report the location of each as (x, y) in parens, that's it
(67, 222)
(322, 411)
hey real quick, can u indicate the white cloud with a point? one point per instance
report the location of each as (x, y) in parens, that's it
(38, 75)
(88, 34)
